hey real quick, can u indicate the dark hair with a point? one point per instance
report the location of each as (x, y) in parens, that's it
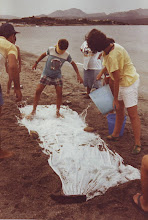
(110, 40)
(63, 44)
(6, 30)
(97, 41)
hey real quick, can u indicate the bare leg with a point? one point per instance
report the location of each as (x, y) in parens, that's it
(88, 90)
(144, 184)
(38, 92)
(119, 119)
(136, 125)
(9, 86)
(59, 100)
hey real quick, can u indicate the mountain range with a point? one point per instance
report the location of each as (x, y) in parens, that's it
(118, 16)
(137, 16)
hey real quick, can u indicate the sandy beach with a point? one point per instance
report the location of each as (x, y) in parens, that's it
(27, 181)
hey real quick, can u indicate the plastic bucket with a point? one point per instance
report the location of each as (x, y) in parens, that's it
(111, 118)
(103, 99)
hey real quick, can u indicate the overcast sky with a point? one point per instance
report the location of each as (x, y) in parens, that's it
(24, 8)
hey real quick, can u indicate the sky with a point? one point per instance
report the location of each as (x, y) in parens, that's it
(25, 8)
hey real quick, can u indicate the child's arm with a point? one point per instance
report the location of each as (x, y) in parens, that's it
(104, 70)
(38, 60)
(100, 55)
(77, 72)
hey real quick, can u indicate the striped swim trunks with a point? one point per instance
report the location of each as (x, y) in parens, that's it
(45, 80)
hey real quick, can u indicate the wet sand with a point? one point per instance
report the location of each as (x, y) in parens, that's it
(27, 181)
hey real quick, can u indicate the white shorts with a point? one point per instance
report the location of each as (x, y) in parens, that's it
(129, 95)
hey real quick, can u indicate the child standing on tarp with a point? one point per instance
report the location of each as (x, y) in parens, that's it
(51, 75)
(92, 66)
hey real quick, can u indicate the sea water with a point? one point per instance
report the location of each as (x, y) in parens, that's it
(37, 39)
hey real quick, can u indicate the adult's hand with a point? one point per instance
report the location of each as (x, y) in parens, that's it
(115, 104)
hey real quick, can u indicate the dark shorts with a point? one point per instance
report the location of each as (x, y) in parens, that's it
(1, 97)
(90, 79)
(45, 80)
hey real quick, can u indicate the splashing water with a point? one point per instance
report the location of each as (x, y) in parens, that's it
(84, 112)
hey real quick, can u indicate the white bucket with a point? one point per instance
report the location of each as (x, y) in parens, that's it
(103, 99)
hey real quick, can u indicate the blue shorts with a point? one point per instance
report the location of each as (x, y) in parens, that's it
(45, 80)
(1, 97)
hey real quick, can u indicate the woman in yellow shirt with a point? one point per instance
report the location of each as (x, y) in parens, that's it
(118, 64)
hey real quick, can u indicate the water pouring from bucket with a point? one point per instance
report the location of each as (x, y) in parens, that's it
(103, 99)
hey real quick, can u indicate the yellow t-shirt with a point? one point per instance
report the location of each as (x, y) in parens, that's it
(119, 59)
(7, 48)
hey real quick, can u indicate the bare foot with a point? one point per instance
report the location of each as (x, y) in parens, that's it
(59, 115)
(22, 115)
(139, 197)
(30, 116)
(5, 154)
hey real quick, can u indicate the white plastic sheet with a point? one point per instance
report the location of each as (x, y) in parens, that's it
(82, 160)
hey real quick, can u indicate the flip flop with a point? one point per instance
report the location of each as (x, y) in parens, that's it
(136, 150)
(112, 138)
(138, 206)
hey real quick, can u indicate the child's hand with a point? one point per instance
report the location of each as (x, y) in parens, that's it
(34, 66)
(80, 80)
(98, 77)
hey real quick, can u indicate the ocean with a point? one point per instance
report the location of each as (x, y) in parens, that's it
(134, 38)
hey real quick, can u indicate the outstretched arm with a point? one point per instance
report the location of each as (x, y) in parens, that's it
(38, 60)
(79, 79)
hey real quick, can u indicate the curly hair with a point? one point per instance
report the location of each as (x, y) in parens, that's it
(63, 44)
(97, 41)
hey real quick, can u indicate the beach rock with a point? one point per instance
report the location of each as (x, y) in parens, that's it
(34, 134)
(89, 129)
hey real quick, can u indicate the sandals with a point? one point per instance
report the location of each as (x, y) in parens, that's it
(112, 138)
(136, 150)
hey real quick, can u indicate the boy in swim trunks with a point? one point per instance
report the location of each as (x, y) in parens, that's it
(52, 73)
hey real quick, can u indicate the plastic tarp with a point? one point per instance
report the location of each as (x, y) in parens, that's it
(82, 160)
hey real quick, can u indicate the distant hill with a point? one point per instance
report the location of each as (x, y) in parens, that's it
(129, 15)
(72, 13)
(138, 15)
